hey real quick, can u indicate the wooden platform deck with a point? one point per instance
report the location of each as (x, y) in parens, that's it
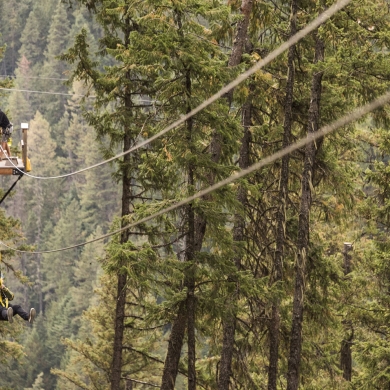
(7, 167)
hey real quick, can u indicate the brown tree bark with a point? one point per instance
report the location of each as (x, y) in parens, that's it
(200, 222)
(183, 318)
(171, 364)
(190, 257)
(191, 310)
(277, 275)
(346, 353)
(127, 195)
(241, 33)
(39, 280)
(116, 365)
(294, 360)
(196, 226)
(175, 343)
(240, 38)
(229, 322)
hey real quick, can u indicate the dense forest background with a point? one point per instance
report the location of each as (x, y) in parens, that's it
(280, 280)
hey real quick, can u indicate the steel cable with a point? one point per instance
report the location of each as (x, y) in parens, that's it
(346, 119)
(238, 80)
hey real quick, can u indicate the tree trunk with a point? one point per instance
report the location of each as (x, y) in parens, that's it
(39, 279)
(294, 360)
(175, 343)
(171, 364)
(240, 38)
(186, 313)
(116, 365)
(229, 322)
(191, 308)
(129, 385)
(346, 353)
(190, 278)
(274, 324)
(38, 242)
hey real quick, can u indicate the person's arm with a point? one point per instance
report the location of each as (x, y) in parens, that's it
(8, 293)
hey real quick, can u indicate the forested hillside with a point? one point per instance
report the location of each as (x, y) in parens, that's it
(278, 280)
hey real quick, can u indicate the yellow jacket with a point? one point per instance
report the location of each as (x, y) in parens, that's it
(5, 296)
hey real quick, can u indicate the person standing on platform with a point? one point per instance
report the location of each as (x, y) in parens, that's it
(6, 131)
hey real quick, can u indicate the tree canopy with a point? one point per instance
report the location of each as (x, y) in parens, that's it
(277, 280)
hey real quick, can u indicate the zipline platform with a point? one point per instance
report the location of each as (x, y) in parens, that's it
(7, 166)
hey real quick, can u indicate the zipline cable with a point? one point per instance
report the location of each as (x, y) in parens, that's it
(346, 119)
(34, 77)
(44, 92)
(60, 93)
(243, 76)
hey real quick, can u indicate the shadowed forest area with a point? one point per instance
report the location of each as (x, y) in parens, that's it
(278, 280)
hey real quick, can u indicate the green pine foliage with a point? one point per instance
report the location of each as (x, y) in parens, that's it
(11, 349)
(53, 107)
(13, 17)
(140, 66)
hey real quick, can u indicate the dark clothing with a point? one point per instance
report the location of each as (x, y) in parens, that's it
(6, 314)
(6, 129)
(17, 310)
(4, 121)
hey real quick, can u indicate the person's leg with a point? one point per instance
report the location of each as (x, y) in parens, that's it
(3, 314)
(5, 147)
(6, 314)
(32, 315)
(18, 310)
(4, 143)
(8, 149)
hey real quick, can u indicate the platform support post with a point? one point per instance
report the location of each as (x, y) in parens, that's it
(24, 127)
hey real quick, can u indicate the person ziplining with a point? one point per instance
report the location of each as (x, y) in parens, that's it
(7, 310)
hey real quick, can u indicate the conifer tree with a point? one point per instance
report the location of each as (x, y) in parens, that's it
(34, 41)
(229, 322)
(19, 102)
(366, 299)
(361, 95)
(38, 383)
(35, 32)
(67, 231)
(281, 216)
(179, 277)
(38, 195)
(52, 106)
(39, 144)
(108, 87)
(96, 188)
(10, 232)
(36, 359)
(194, 222)
(13, 16)
(304, 222)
